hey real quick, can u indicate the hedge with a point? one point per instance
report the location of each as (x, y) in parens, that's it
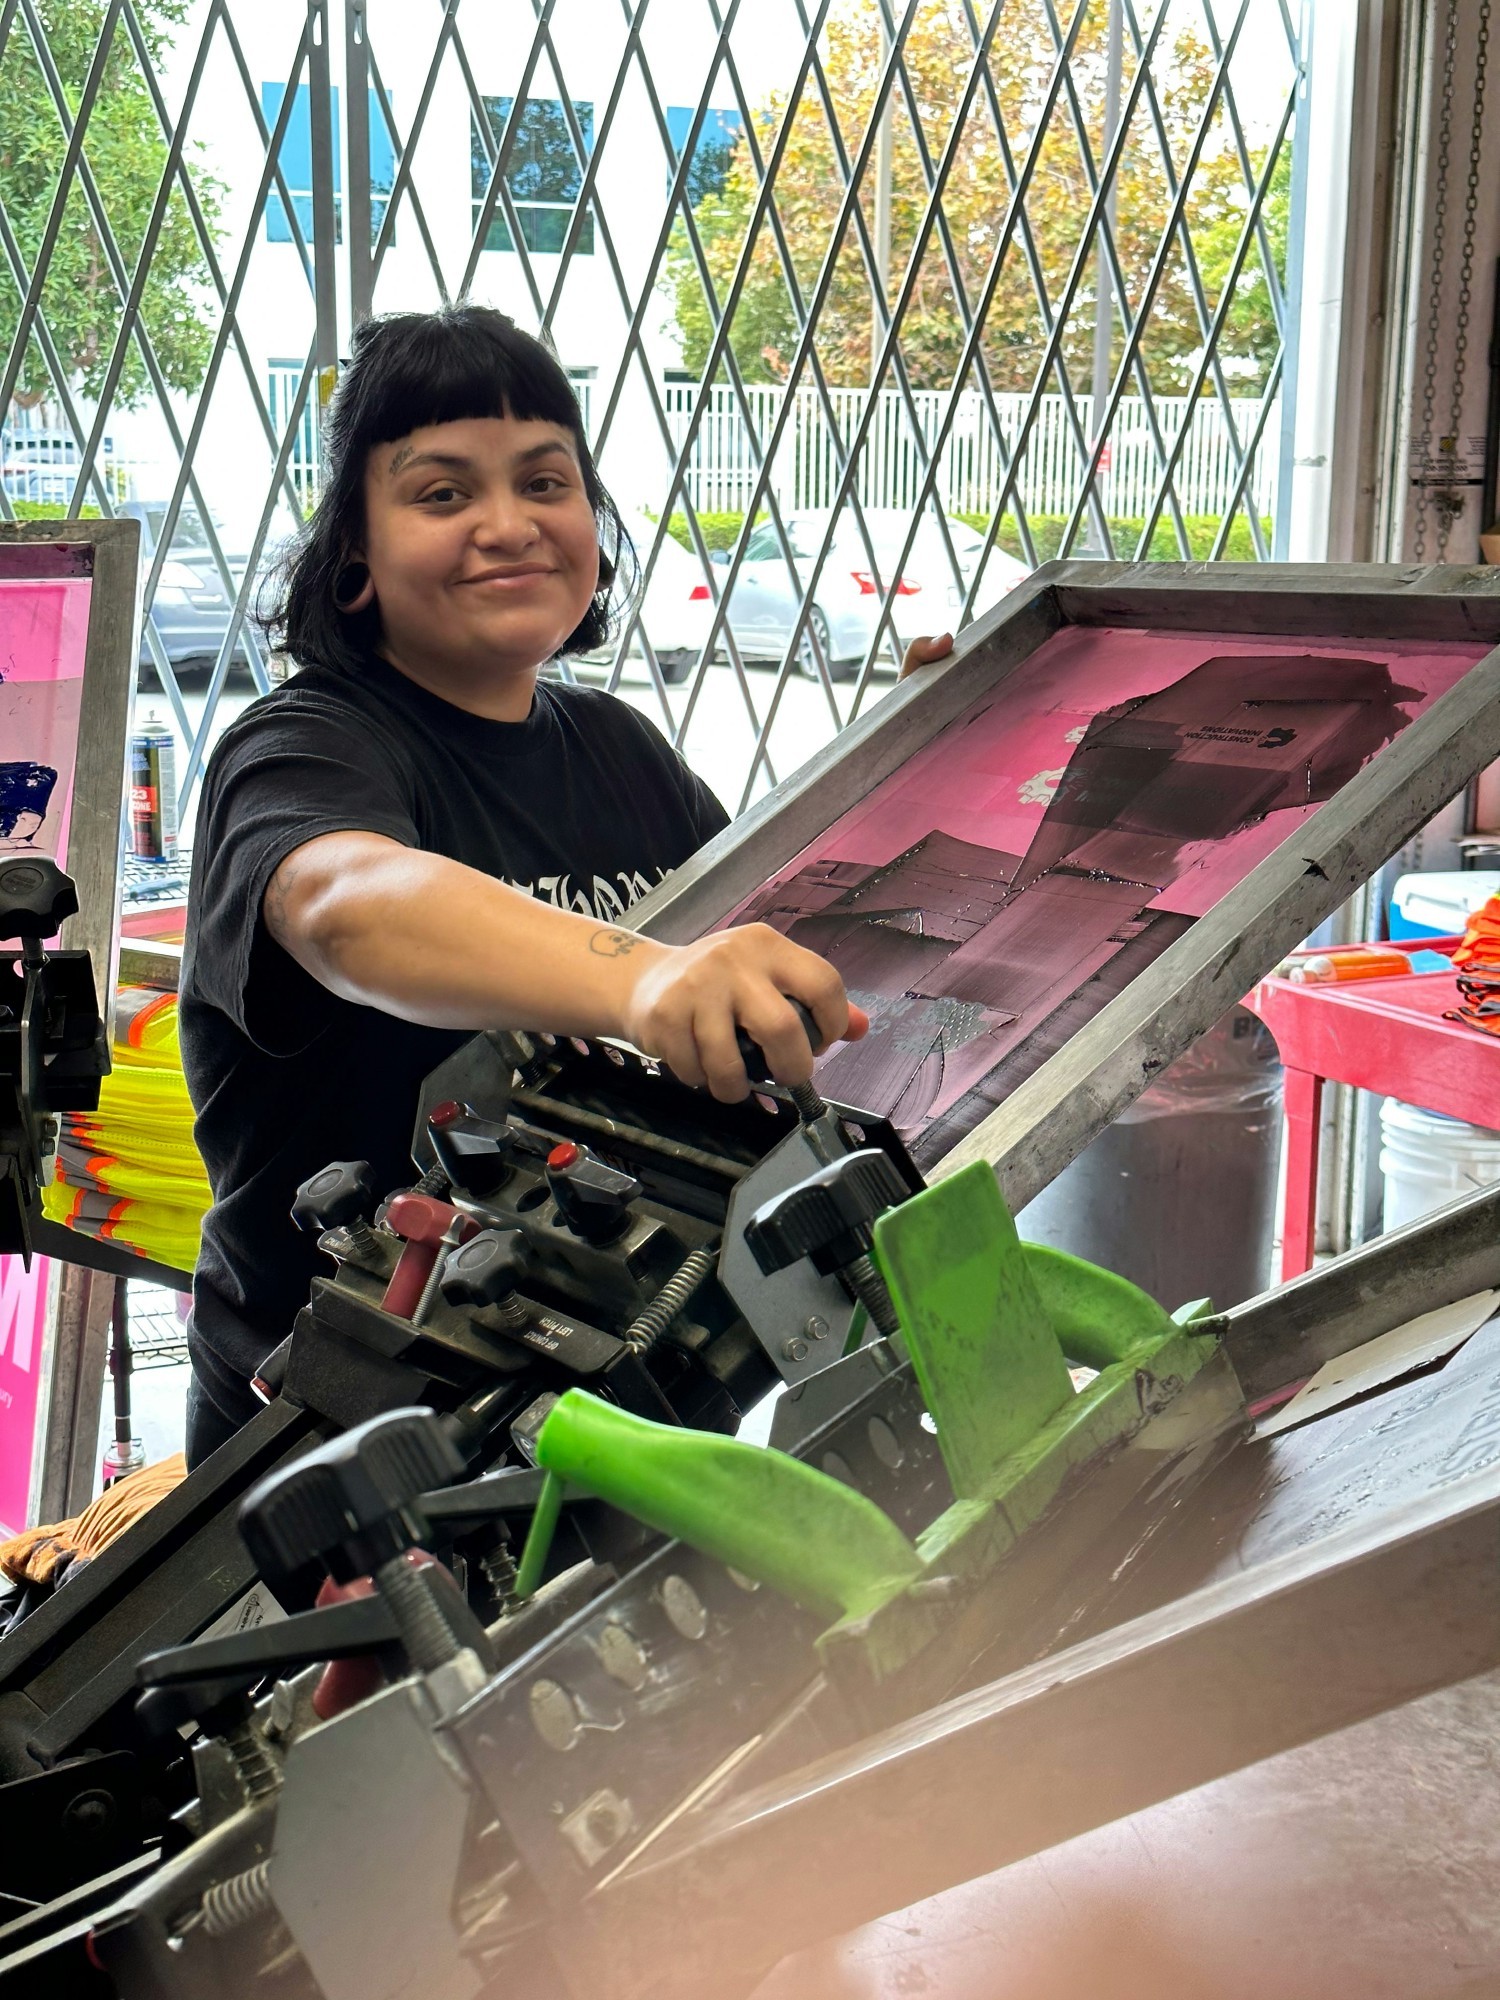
(1202, 532)
(40, 510)
(720, 531)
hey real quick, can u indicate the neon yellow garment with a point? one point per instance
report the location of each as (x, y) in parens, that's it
(129, 1172)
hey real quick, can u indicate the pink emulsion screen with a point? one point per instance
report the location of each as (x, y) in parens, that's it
(1046, 845)
(23, 1324)
(43, 631)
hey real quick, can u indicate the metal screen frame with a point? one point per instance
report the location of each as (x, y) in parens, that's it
(1052, 1116)
(98, 802)
(71, 1364)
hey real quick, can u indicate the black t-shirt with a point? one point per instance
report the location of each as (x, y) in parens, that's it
(584, 805)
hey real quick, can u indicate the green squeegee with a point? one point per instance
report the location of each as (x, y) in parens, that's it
(991, 1325)
(770, 1516)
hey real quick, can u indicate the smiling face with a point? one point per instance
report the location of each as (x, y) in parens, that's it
(483, 554)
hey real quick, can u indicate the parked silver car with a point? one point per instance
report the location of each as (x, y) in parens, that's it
(847, 602)
(191, 610)
(42, 466)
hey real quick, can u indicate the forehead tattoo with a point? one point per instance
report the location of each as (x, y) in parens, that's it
(407, 451)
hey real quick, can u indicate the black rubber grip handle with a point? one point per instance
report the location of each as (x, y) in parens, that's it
(753, 1056)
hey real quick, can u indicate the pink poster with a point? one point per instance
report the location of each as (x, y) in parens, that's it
(43, 631)
(996, 891)
(23, 1322)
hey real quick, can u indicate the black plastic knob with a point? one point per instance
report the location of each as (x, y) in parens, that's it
(485, 1270)
(829, 1217)
(593, 1199)
(338, 1194)
(36, 897)
(473, 1152)
(212, 1704)
(753, 1056)
(351, 1503)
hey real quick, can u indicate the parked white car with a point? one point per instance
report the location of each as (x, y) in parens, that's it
(847, 602)
(678, 606)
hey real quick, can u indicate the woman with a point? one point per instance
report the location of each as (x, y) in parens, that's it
(414, 838)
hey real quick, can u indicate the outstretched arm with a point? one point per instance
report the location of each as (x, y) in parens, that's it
(432, 941)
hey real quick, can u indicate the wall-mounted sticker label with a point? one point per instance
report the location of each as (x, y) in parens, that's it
(1448, 459)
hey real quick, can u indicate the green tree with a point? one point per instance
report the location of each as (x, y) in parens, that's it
(809, 190)
(126, 152)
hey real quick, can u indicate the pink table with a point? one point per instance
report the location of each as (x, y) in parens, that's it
(1385, 1035)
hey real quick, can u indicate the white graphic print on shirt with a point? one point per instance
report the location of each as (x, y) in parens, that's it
(604, 900)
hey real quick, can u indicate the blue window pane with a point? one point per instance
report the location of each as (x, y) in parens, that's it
(717, 137)
(543, 174)
(382, 167)
(296, 164)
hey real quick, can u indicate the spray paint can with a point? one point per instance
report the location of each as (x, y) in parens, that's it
(153, 792)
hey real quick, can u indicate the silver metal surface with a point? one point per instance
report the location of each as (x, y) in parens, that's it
(357, 88)
(795, 1297)
(144, 962)
(685, 1609)
(73, 1362)
(598, 1825)
(365, 1861)
(1289, 1332)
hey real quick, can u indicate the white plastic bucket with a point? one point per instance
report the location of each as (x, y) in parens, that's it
(1428, 1159)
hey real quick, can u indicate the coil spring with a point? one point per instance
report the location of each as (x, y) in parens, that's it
(643, 1332)
(227, 1906)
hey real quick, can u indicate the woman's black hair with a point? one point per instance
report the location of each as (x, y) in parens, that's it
(409, 370)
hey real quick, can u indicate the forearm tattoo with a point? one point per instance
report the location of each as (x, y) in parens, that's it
(612, 943)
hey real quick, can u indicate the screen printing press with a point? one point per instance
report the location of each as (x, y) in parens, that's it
(488, 1661)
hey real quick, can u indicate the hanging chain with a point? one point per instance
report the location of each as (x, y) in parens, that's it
(1446, 502)
(1435, 294)
(1450, 514)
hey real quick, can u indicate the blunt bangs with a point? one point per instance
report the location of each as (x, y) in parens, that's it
(408, 371)
(415, 369)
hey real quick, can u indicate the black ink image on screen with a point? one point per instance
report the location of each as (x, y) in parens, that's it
(965, 956)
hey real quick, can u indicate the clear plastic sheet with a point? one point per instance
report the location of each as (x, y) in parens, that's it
(1232, 1071)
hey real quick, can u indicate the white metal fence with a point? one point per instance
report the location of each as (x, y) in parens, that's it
(972, 469)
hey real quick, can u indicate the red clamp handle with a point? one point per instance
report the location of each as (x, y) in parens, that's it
(423, 1221)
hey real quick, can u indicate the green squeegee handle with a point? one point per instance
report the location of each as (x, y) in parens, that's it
(1099, 1318)
(766, 1515)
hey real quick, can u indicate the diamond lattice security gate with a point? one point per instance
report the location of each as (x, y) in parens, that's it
(869, 307)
